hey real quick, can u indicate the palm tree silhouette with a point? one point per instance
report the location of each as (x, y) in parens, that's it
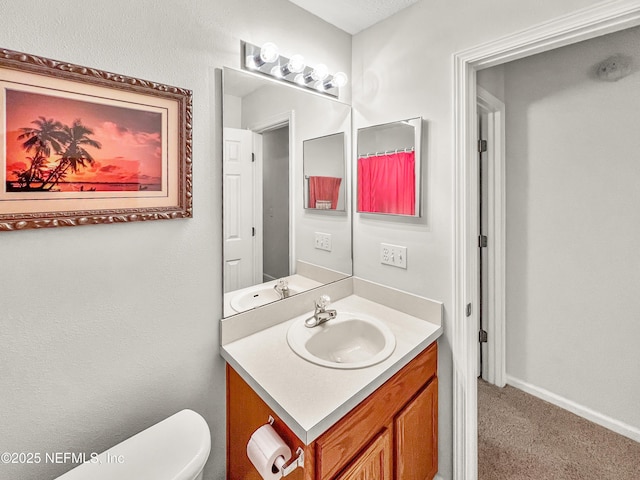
(38, 167)
(74, 139)
(48, 134)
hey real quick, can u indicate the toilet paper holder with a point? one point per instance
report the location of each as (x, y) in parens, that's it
(299, 460)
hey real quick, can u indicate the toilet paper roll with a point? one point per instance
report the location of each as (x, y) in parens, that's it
(268, 452)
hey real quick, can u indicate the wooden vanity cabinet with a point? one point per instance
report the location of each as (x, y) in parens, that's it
(392, 434)
(375, 462)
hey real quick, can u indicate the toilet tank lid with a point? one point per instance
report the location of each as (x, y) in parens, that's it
(174, 449)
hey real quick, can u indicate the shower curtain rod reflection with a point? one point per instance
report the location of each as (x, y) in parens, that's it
(387, 152)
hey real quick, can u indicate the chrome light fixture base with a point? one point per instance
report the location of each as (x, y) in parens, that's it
(311, 78)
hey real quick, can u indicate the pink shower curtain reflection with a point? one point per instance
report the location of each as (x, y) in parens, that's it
(324, 192)
(386, 183)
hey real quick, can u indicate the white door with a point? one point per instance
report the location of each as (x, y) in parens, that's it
(238, 201)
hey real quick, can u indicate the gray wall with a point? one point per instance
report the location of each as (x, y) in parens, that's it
(382, 138)
(275, 203)
(106, 330)
(573, 220)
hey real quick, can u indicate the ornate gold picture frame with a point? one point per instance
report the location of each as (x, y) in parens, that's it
(81, 146)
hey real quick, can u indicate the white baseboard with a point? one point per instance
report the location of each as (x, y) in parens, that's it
(585, 412)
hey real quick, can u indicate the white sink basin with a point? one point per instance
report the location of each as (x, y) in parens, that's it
(347, 341)
(256, 298)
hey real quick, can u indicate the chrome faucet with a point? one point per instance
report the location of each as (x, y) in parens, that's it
(282, 287)
(321, 314)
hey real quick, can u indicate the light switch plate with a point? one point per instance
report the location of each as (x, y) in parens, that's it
(323, 241)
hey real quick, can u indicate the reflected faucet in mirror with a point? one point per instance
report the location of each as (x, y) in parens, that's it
(282, 287)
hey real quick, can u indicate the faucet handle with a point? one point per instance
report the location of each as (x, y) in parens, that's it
(323, 302)
(283, 284)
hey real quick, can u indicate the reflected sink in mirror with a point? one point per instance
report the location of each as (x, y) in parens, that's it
(255, 296)
(348, 341)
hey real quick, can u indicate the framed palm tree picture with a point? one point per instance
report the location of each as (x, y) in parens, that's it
(81, 146)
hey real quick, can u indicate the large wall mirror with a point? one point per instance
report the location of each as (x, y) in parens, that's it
(274, 246)
(389, 168)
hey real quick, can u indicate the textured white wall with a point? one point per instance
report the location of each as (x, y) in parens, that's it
(108, 329)
(402, 68)
(573, 220)
(492, 80)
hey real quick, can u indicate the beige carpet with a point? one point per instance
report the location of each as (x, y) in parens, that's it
(523, 437)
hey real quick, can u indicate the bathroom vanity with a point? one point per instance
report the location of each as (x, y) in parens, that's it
(379, 421)
(355, 397)
(394, 430)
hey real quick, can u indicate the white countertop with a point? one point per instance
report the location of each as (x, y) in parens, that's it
(310, 398)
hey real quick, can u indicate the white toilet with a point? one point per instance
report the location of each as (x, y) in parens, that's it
(174, 449)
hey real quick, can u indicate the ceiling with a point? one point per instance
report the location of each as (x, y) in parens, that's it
(353, 16)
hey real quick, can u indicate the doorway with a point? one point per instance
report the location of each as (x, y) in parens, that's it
(491, 238)
(258, 222)
(582, 25)
(275, 204)
(274, 144)
(572, 149)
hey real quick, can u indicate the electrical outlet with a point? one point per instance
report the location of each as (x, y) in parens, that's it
(323, 241)
(385, 254)
(394, 255)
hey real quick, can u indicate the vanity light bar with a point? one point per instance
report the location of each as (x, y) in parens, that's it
(267, 61)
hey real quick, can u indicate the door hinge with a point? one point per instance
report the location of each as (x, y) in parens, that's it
(482, 241)
(468, 309)
(253, 157)
(482, 146)
(253, 231)
(482, 338)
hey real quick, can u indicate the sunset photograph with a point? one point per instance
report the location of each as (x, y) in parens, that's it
(58, 144)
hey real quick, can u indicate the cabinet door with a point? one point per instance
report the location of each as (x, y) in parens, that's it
(416, 427)
(342, 442)
(374, 463)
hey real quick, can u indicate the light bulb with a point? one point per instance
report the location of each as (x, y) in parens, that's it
(340, 79)
(277, 71)
(296, 64)
(300, 80)
(269, 52)
(320, 72)
(337, 81)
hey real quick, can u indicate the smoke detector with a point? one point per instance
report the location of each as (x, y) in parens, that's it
(614, 68)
